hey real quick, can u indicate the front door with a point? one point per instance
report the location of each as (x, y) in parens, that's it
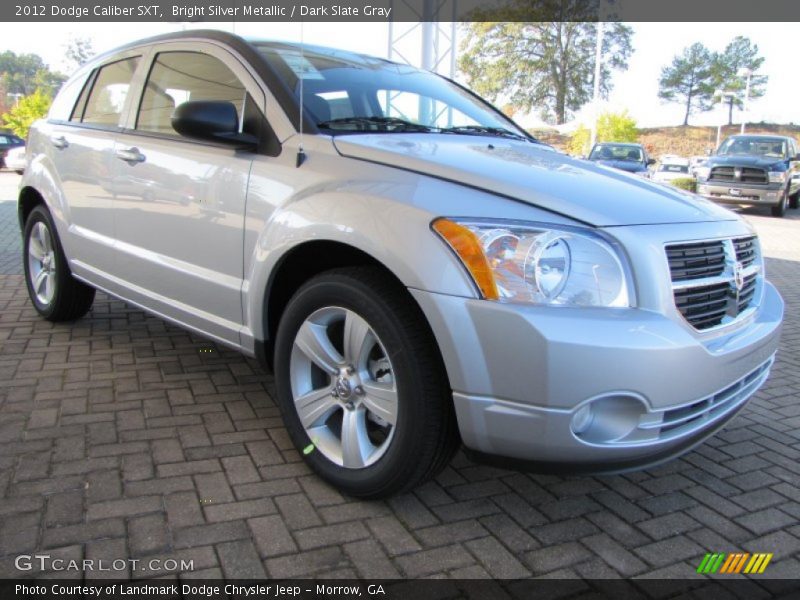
(179, 206)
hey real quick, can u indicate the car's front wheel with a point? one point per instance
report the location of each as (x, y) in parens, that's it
(361, 385)
(54, 292)
(780, 209)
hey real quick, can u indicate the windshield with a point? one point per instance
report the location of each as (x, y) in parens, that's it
(754, 146)
(616, 152)
(349, 93)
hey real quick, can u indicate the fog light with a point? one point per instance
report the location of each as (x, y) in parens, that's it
(608, 419)
(582, 419)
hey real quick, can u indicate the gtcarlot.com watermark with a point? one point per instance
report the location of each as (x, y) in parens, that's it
(44, 562)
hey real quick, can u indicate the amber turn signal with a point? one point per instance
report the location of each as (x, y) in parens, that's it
(466, 245)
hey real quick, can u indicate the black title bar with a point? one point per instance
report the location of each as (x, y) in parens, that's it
(400, 10)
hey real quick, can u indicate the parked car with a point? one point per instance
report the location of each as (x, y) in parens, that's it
(7, 142)
(695, 162)
(15, 159)
(416, 269)
(674, 168)
(626, 157)
(753, 170)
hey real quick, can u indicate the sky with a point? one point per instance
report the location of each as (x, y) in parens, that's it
(635, 89)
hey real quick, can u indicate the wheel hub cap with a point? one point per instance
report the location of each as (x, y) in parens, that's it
(343, 388)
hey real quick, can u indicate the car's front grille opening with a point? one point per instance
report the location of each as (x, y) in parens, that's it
(726, 174)
(692, 261)
(745, 250)
(703, 306)
(715, 281)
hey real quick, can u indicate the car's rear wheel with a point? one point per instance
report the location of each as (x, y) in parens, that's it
(361, 385)
(54, 292)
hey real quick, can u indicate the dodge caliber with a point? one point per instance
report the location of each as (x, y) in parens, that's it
(417, 271)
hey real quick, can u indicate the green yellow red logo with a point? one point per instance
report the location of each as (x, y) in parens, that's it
(734, 562)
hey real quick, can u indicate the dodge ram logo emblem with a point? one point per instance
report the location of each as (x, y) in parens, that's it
(738, 276)
(737, 173)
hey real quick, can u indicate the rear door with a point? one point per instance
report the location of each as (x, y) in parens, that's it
(81, 146)
(179, 208)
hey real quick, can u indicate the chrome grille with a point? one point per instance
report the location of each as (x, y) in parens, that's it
(715, 282)
(738, 175)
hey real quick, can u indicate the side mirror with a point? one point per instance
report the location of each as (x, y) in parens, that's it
(210, 120)
(651, 161)
(796, 157)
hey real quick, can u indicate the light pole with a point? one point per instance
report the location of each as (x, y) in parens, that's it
(746, 72)
(598, 59)
(722, 97)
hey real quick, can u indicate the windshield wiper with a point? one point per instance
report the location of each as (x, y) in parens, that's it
(381, 124)
(484, 130)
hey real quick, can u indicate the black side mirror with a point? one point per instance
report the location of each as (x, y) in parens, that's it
(651, 161)
(796, 157)
(210, 120)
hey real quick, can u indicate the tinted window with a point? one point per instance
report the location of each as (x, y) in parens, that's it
(673, 169)
(616, 152)
(110, 89)
(177, 77)
(761, 146)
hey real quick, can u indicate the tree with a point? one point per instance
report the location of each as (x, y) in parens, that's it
(611, 127)
(548, 66)
(24, 73)
(740, 55)
(78, 51)
(689, 80)
(29, 108)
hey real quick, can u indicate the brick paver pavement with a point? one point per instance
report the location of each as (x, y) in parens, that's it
(120, 439)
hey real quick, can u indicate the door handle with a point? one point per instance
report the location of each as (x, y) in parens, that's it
(59, 142)
(131, 156)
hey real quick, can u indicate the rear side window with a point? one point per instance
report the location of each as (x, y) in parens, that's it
(65, 99)
(178, 77)
(104, 103)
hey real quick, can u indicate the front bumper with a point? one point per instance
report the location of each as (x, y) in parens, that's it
(521, 373)
(733, 193)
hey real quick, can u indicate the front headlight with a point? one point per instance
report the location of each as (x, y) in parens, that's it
(539, 264)
(702, 173)
(777, 176)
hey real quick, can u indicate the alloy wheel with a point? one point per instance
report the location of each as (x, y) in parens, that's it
(343, 387)
(42, 263)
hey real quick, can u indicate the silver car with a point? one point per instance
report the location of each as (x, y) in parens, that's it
(416, 269)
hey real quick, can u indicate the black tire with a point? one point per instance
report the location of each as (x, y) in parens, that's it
(425, 435)
(794, 200)
(780, 209)
(71, 298)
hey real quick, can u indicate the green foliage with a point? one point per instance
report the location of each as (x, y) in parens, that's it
(25, 73)
(739, 55)
(546, 65)
(685, 183)
(689, 80)
(611, 127)
(29, 109)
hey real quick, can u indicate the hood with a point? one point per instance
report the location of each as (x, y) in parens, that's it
(623, 165)
(534, 174)
(742, 160)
